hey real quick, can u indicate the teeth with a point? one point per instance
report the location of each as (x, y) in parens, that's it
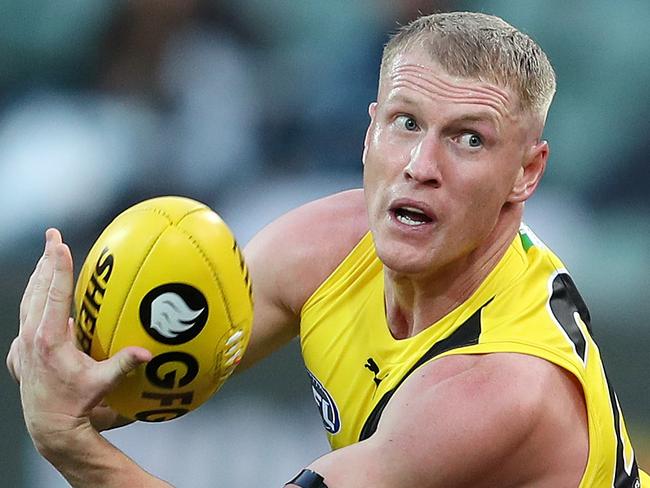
(405, 219)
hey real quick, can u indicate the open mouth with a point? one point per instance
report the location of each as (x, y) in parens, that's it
(411, 216)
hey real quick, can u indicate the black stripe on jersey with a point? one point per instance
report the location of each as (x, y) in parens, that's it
(621, 478)
(564, 302)
(466, 335)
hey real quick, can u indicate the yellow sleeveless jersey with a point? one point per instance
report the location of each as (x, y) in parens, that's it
(528, 304)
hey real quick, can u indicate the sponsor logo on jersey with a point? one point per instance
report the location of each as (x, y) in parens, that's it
(327, 408)
(173, 313)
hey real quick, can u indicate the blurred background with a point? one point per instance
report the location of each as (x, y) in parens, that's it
(256, 106)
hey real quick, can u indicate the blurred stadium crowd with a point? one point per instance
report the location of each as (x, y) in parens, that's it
(255, 106)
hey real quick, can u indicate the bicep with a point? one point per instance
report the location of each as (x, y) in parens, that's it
(290, 258)
(273, 327)
(274, 322)
(454, 432)
(419, 442)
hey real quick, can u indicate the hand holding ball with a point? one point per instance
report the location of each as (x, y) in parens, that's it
(166, 275)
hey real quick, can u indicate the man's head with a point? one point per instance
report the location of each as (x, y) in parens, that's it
(482, 47)
(454, 145)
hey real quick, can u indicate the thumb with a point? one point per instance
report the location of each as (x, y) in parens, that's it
(115, 368)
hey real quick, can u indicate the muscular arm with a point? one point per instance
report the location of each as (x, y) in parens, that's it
(61, 386)
(86, 459)
(484, 421)
(290, 258)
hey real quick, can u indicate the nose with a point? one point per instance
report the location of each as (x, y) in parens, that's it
(423, 164)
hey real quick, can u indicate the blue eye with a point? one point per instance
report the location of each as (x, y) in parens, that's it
(410, 124)
(471, 140)
(407, 122)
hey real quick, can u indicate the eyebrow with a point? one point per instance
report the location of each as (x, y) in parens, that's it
(478, 117)
(481, 116)
(401, 98)
(490, 123)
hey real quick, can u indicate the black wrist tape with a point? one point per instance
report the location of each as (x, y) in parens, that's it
(308, 479)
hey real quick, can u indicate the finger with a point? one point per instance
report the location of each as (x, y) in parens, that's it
(27, 295)
(13, 361)
(40, 286)
(115, 368)
(54, 323)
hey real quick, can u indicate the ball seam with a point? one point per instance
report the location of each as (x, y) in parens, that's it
(217, 369)
(135, 276)
(213, 271)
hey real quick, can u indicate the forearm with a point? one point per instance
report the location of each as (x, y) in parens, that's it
(86, 459)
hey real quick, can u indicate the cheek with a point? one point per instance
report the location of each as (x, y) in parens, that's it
(479, 204)
(492, 183)
(371, 177)
(377, 166)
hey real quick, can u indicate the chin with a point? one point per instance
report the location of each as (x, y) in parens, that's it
(403, 258)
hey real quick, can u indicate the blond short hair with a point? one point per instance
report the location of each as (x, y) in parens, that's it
(481, 47)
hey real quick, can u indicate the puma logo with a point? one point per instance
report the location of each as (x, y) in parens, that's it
(374, 369)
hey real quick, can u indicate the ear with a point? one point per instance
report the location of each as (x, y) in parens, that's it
(530, 173)
(372, 110)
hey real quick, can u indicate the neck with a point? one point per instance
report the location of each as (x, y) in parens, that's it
(415, 303)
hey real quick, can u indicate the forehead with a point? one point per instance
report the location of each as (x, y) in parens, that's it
(414, 75)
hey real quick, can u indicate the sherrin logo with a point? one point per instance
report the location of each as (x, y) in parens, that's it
(329, 412)
(93, 297)
(173, 313)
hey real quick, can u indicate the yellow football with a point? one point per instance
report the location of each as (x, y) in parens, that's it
(166, 275)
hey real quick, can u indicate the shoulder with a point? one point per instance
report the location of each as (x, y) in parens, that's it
(479, 421)
(299, 250)
(494, 409)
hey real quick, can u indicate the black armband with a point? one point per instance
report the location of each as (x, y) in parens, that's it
(308, 479)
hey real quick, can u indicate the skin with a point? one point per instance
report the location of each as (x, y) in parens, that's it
(457, 150)
(419, 152)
